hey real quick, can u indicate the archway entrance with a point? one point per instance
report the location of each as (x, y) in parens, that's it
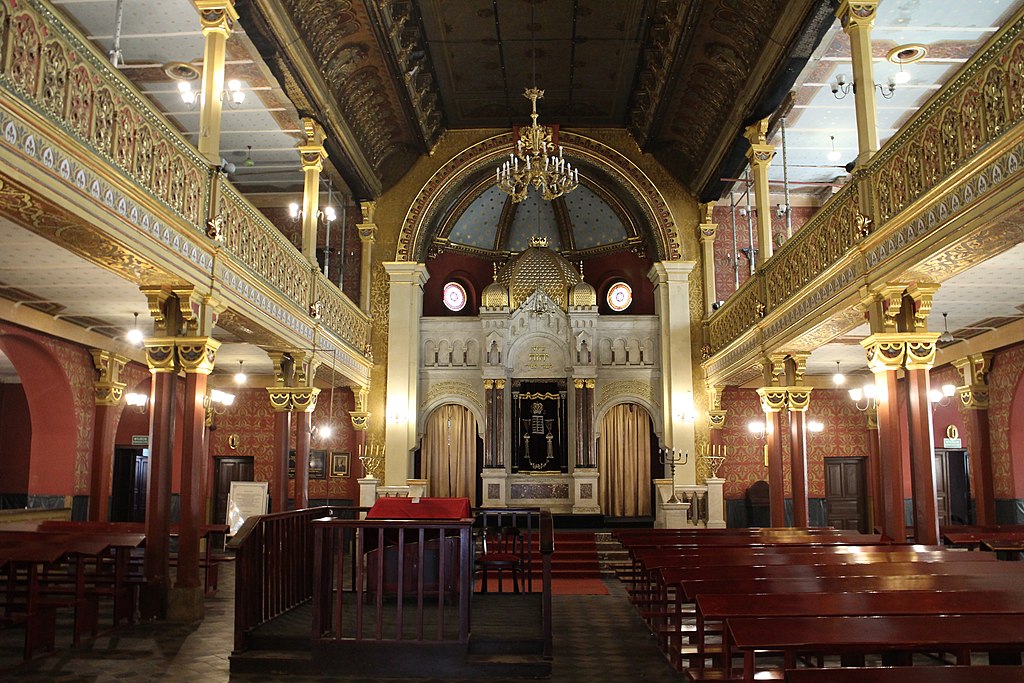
(624, 460)
(449, 452)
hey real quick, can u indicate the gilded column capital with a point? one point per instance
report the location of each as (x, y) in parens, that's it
(857, 13)
(798, 398)
(920, 350)
(974, 368)
(108, 386)
(922, 293)
(367, 233)
(280, 399)
(589, 383)
(303, 399)
(708, 231)
(488, 384)
(217, 15)
(499, 384)
(757, 132)
(360, 420)
(974, 397)
(885, 351)
(197, 355)
(716, 418)
(312, 150)
(760, 156)
(773, 399)
(890, 295)
(578, 383)
(160, 354)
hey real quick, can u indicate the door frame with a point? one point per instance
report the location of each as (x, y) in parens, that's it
(862, 502)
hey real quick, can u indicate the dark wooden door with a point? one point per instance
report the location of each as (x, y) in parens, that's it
(952, 487)
(846, 493)
(129, 483)
(227, 470)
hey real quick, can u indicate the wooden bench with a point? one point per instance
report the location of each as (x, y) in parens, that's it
(913, 674)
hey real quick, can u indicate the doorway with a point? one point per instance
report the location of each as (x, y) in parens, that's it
(953, 487)
(227, 469)
(129, 484)
(846, 493)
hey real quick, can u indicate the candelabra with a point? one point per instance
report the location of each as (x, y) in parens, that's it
(712, 459)
(673, 457)
(372, 457)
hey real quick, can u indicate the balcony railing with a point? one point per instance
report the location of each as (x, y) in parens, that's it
(954, 150)
(83, 124)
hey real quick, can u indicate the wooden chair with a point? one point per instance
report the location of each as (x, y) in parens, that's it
(501, 549)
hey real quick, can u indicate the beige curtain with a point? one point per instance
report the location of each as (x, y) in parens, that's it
(624, 452)
(448, 452)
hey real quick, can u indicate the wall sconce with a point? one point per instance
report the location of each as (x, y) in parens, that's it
(232, 94)
(815, 426)
(216, 402)
(865, 397)
(134, 335)
(758, 429)
(137, 401)
(841, 85)
(328, 213)
(941, 397)
(688, 411)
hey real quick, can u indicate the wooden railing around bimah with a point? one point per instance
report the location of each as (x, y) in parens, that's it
(961, 147)
(83, 127)
(527, 520)
(274, 564)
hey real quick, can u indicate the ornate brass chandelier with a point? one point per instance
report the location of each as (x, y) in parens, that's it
(534, 161)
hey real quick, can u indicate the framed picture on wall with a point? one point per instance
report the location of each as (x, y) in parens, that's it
(317, 464)
(340, 463)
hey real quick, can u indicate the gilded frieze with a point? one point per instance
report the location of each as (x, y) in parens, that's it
(440, 390)
(626, 389)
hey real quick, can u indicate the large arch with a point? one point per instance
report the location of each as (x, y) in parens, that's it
(448, 183)
(50, 465)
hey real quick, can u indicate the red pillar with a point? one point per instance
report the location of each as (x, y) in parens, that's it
(102, 462)
(981, 465)
(874, 470)
(776, 476)
(922, 457)
(282, 439)
(890, 453)
(193, 470)
(798, 465)
(302, 423)
(153, 594)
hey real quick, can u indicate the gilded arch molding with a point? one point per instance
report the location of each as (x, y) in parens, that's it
(444, 186)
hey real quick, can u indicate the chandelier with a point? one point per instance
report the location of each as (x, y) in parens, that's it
(534, 161)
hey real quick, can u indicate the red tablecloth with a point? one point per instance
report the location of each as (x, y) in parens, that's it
(419, 508)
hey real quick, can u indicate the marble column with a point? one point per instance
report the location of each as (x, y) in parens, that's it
(108, 392)
(974, 397)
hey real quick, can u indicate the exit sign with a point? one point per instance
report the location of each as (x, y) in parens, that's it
(140, 439)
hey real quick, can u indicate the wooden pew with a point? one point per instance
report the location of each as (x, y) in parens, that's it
(905, 674)
(960, 634)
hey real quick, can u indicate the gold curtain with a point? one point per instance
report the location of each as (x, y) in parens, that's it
(624, 459)
(449, 452)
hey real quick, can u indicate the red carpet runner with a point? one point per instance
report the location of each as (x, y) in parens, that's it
(575, 568)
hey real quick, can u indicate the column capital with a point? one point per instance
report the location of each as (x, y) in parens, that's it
(974, 396)
(280, 399)
(160, 354)
(760, 156)
(857, 13)
(108, 385)
(589, 383)
(757, 132)
(217, 16)
(670, 272)
(705, 210)
(922, 293)
(578, 383)
(890, 351)
(708, 231)
(798, 398)
(499, 384)
(716, 418)
(303, 399)
(773, 399)
(197, 354)
(360, 420)
(974, 367)
(406, 272)
(312, 151)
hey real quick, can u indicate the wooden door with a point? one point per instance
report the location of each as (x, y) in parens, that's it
(952, 487)
(129, 483)
(846, 493)
(227, 470)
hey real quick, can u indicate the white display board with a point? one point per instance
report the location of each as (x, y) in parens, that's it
(245, 499)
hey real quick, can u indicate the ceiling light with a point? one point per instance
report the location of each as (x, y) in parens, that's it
(839, 378)
(240, 376)
(901, 76)
(134, 335)
(248, 163)
(946, 337)
(834, 154)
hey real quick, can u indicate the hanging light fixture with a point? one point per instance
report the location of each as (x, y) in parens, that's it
(249, 162)
(533, 160)
(946, 337)
(834, 154)
(839, 378)
(134, 335)
(240, 376)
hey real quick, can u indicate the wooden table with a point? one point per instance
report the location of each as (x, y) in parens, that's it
(791, 636)
(973, 539)
(909, 674)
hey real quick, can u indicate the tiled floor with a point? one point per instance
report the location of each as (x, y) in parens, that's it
(597, 638)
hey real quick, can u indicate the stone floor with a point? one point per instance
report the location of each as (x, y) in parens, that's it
(597, 638)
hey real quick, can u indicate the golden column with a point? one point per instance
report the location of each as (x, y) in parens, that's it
(218, 18)
(707, 240)
(109, 389)
(360, 419)
(857, 17)
(312, 153)
(716, 416)
(367, 235)
(974, 397)
(760, 157)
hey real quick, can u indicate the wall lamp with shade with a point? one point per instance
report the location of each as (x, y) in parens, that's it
(137, 401)
(941, 397)
(216, 402)
(841, 85)
(865, 397)
(232, 93)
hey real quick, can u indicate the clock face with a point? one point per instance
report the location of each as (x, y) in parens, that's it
(620, 296)
(454, 296)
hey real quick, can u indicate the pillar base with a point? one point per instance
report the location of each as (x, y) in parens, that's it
(585, 491)
(367, 493)
(495, 488)
(662, 492)
(153, 600)
(185, 604)
(675, 515)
